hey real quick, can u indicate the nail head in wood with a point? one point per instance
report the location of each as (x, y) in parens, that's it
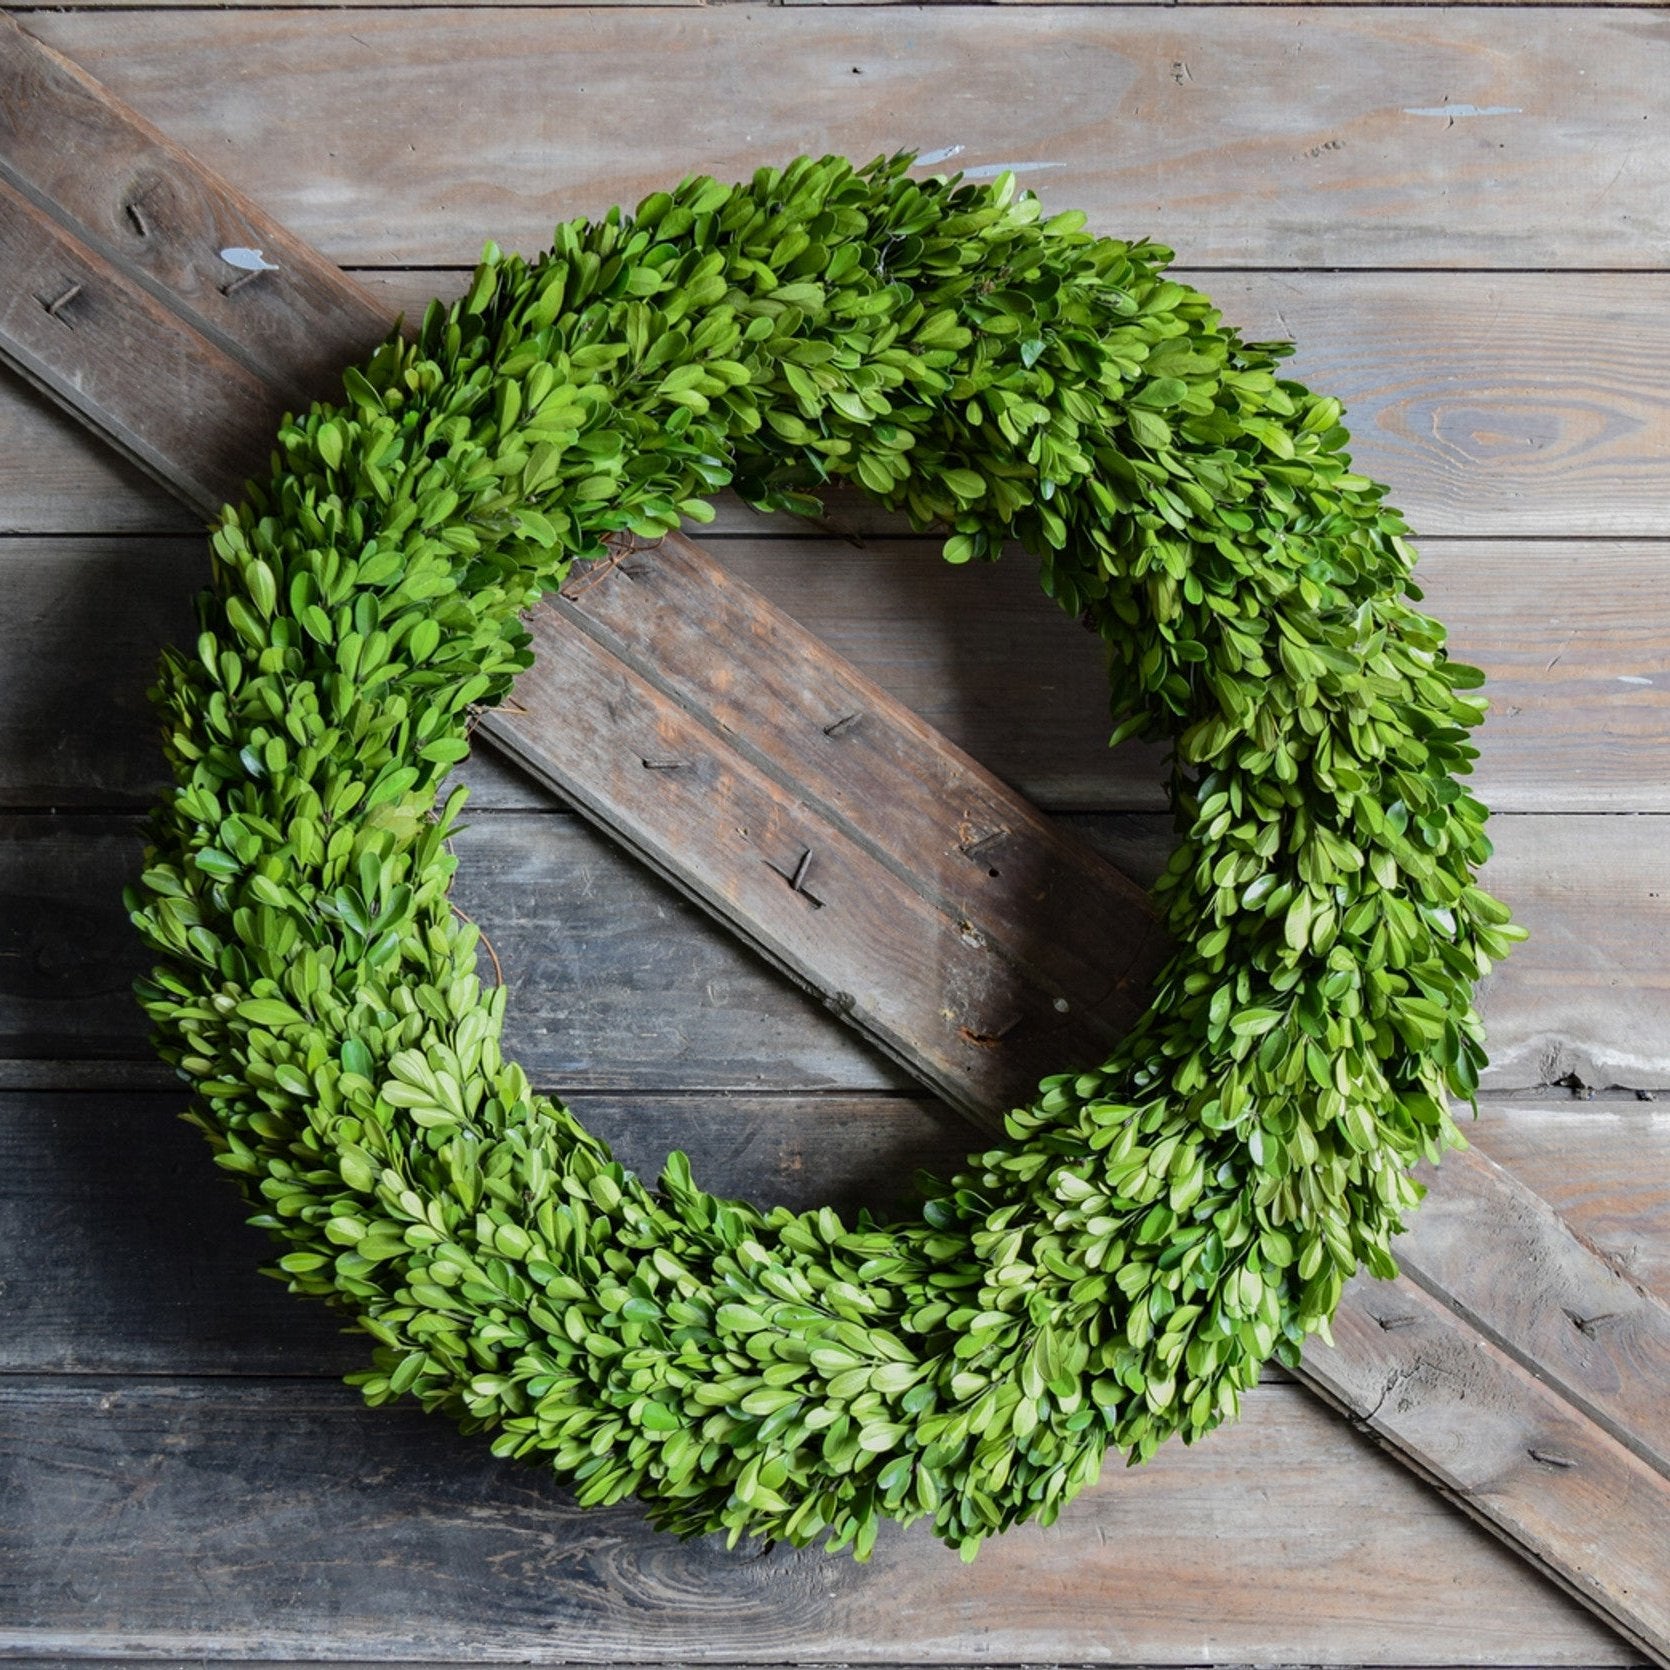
(1589, 1326)
(796, 878)
(55, 308)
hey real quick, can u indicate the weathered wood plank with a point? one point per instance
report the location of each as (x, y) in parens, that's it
(1559, 1151)
(122, 1251)
(1528, 404)
(197, 1504)
(601, 773)
(59, 289)
(1497, 403)
(1575, 639)
(178, 357)
(638, 988)
(1588, 997)
(1521, 1458)
(1300, 137)
(89, 1284)
(952, 987)
(1500, 1258)
(590, 942)
(130, 193)
(990, 949)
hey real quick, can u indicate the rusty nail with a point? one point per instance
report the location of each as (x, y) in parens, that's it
(973, 849)
(1589, 1326)
(54, 308)
(1551, 1458)
(240, 281)
(1392, 1323)
(796, 878)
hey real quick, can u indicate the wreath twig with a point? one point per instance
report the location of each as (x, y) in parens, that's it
(1151, 1231)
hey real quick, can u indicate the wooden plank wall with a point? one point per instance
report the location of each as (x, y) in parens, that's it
(1458, 211)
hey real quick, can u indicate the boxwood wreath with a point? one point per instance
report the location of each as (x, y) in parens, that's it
(1148, 1232)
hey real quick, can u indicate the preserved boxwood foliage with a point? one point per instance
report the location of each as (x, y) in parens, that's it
(1149, 1232)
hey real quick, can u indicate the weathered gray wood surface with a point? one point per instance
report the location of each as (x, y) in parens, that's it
(160, 1517)
(1499, 1466)
(1574, 635)
(586, 937)
(922, 900)
(1498, 403)
(1512, 403)
(1582, 1324)
(1319, 142)
(92, 1286)
(636, 719)
(116, 248)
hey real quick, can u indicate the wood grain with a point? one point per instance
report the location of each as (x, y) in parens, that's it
(90, 1284)
(1523, 1458)
(1501, 1259)
(1291, 143)
(1559, 1151)
(954, 987)
(1541, 1520)
(1494, 403)
(638, 987)
(130, 193)
(1588, 996)
(171, 1519)
(774, 785)
(1575, 637)
(589, 941)
(59, 289)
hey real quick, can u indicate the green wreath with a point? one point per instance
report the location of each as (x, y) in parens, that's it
(1151, 1231)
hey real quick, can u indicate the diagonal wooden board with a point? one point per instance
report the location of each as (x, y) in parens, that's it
(1510, 1366)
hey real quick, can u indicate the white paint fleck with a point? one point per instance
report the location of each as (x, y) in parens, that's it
(991, 170)
(1632, 678)
(1454, 110)
(926, 159)
(250, 260)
